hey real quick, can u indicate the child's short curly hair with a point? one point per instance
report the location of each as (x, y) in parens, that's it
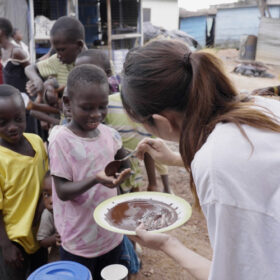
(72, 28)
(6, 26)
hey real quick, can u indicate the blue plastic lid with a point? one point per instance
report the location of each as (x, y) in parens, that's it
(61, 270)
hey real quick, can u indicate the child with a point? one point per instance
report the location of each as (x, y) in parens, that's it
(23, 166)
(17, 40)
(100, 59)
(67, 38)
(13, 58)
(52, 101)
(67, 116)
(47, 235)
(79, 152)
(130, 132)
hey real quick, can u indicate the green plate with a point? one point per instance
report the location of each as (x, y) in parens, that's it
(181, 206)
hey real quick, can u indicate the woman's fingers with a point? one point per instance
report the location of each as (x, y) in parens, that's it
(148, 145)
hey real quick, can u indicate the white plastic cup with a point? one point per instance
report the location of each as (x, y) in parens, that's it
(114, 272)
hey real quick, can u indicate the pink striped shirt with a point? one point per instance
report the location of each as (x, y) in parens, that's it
(75, 158)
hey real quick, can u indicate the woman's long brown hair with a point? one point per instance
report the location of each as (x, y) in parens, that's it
(166, 75)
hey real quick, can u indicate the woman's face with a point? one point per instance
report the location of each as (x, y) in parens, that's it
(162, 127)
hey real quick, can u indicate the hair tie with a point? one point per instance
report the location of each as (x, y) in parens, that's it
(186, 59)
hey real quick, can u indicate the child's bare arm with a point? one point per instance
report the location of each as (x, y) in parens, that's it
(20, 55)
(48, 241)
(36, 85)
(151, 172)
(68, 190)
(44, 117)
(11, 252)
(121, 153)
(42, 107)
(38, 212)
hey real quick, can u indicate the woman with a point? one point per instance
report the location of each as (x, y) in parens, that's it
(228, 144)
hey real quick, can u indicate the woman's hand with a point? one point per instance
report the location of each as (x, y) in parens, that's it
(111, 181)
(152, 240)
(12, 255)
(196, 265)
(159, 151)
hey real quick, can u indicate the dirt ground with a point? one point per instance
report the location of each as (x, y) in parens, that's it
(155, 265)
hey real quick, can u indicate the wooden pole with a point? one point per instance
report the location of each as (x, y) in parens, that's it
(32, 33)
(109, 28)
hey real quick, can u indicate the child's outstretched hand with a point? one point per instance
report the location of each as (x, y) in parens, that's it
(113, 181)
(12, 255)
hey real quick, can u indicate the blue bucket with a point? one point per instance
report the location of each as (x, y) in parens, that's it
(61, 270)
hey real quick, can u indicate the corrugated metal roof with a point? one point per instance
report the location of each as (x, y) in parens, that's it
(246, 3)
(203, 12)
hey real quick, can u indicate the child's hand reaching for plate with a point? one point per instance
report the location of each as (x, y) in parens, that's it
(113, 181)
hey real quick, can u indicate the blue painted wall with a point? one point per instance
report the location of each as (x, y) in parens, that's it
(231, 24)
(196, 27)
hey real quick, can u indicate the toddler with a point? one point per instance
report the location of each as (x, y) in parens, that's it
(47, 235)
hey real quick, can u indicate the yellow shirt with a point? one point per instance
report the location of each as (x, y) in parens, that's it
(20, 188)
(52, 66)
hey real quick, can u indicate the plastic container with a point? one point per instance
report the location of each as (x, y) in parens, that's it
(114, 272)
(248, 44)
(61, 270)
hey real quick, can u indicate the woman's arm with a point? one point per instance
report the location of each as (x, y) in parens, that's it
(196, 265)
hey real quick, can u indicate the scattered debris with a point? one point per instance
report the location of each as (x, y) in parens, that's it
(148, 273)
(151, 32)
(252, 69)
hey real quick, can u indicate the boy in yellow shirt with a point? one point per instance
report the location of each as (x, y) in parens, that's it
(23, 165)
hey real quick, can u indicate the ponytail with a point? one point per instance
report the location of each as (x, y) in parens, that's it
(213, 99)
(166, 75)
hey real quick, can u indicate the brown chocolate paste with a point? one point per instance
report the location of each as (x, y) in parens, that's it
(152, 213)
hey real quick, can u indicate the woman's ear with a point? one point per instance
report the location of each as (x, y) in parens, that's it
(167, 125)
(162, 123)
(161, 127)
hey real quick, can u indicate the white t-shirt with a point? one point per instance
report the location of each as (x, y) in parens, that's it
(239, 192)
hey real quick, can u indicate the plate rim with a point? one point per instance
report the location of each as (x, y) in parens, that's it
(107, 226)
